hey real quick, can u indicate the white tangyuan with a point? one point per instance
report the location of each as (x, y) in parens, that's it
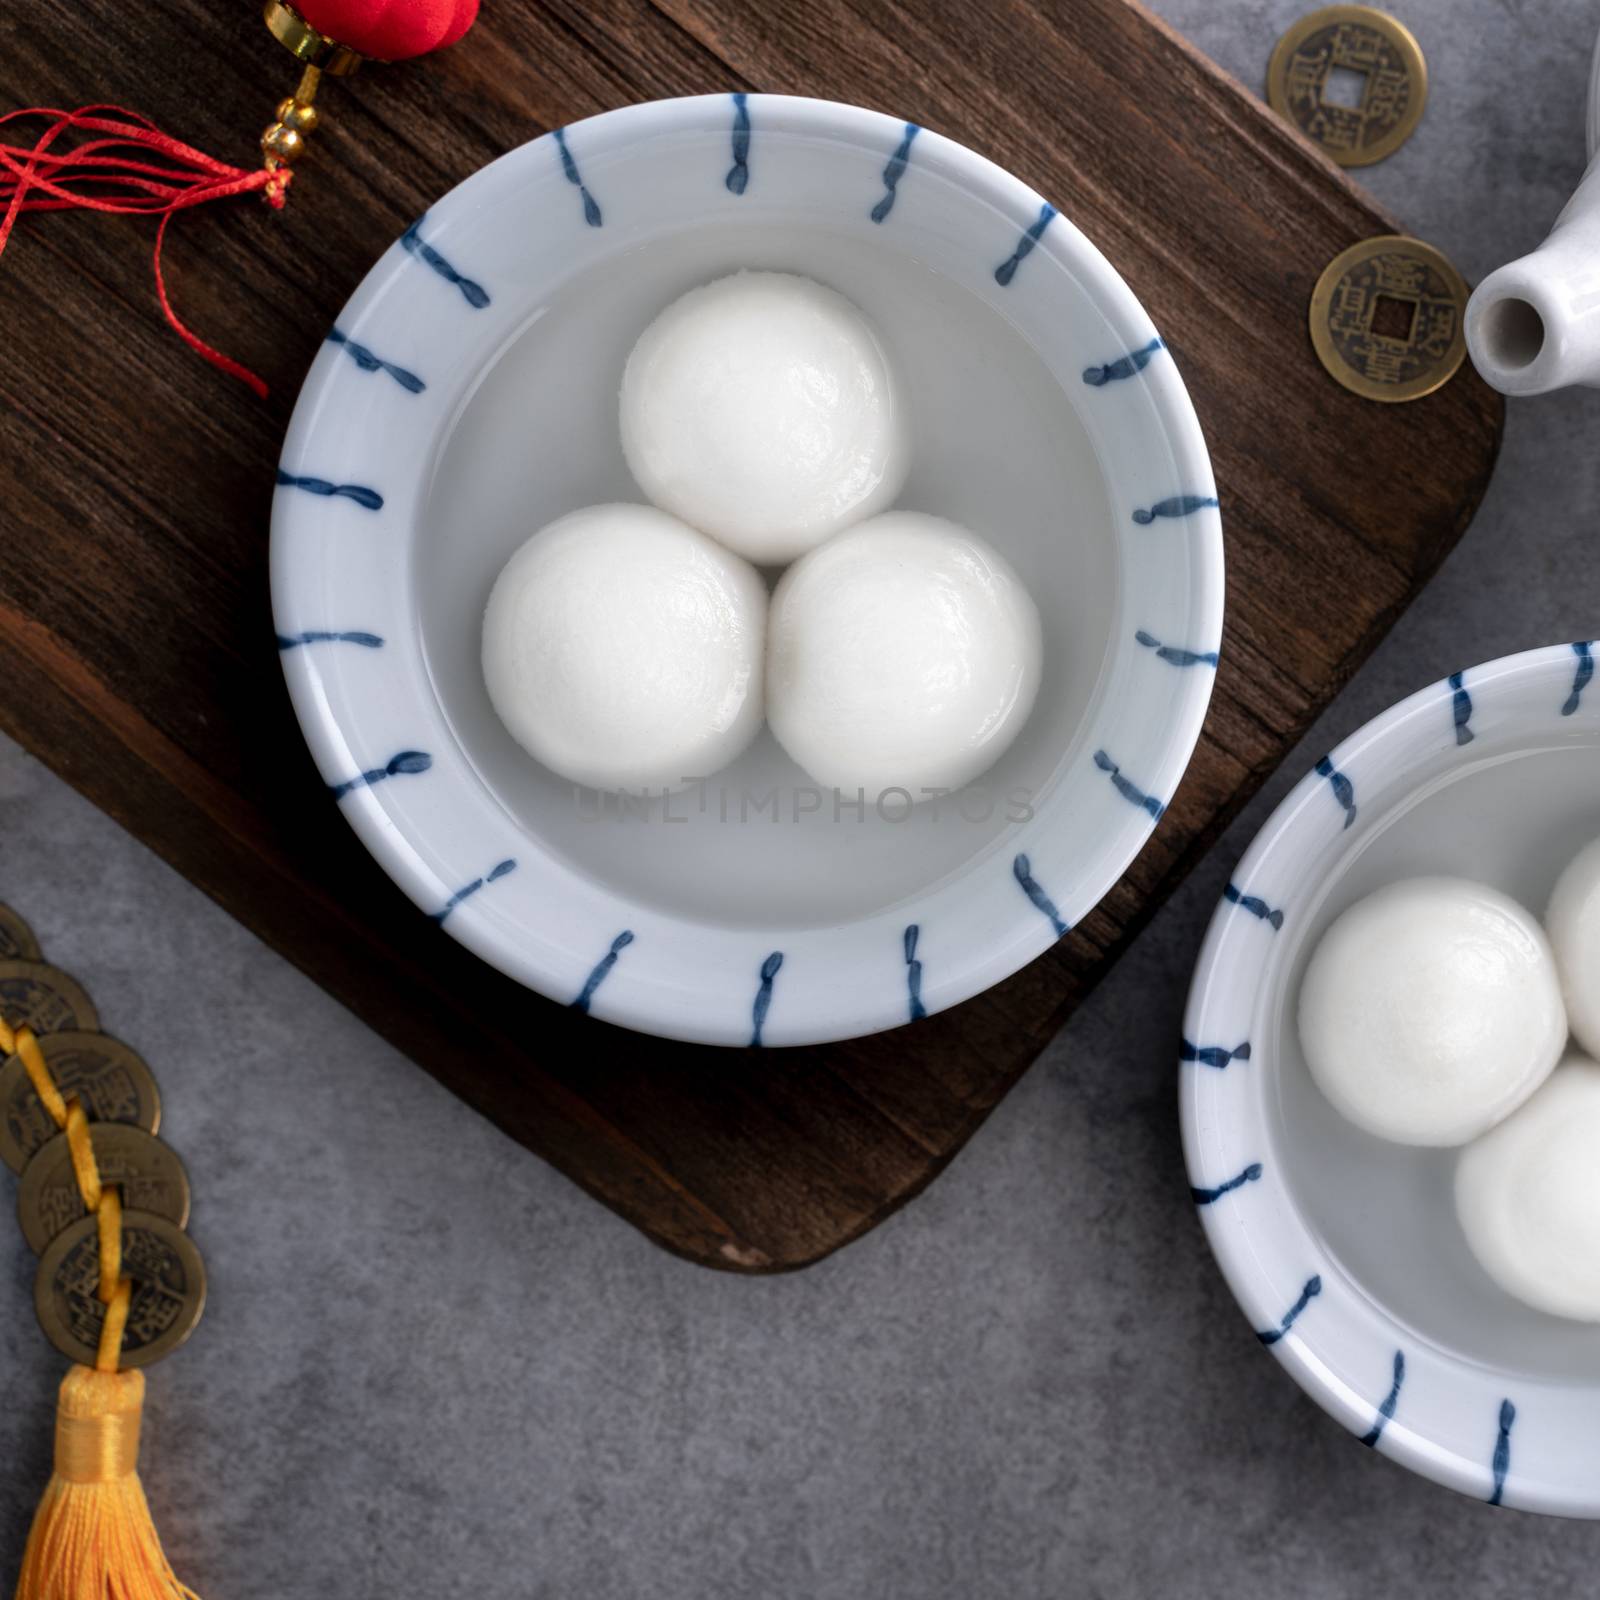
(762, 409)
(1573, 923)
(625, 650)
(1430, 1010)
(904, 654)
(1528, 1196)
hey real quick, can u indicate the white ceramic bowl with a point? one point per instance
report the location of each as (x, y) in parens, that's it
(469, 394)
(1343, 1250)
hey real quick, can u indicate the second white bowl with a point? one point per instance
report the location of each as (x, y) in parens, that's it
(1344, 1250)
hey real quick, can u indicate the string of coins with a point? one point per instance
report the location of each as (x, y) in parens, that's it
(119, 1285)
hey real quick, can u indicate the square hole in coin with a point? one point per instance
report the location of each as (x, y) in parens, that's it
(1392, 317)
(1345, 86)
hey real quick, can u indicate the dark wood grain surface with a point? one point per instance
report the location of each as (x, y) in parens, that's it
(136, 653)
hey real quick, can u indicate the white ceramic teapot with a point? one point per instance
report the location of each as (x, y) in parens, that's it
(1534, 324)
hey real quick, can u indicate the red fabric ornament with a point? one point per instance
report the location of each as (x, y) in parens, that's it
(390, 30)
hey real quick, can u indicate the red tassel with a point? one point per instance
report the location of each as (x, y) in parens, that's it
(119, 172)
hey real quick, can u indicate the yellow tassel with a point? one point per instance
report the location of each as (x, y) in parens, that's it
(92, 1537)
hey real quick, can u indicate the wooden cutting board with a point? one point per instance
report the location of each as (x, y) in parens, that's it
(136, 651)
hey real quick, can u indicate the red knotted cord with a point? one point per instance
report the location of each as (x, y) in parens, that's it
(116, 173)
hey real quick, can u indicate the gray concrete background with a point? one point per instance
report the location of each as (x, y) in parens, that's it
(432, 1367)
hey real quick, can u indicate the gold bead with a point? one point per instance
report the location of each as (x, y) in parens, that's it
(283, 142)
(294, 115)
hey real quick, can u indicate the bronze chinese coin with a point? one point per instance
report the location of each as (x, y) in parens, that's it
(45, 998)
(17, 942)
(1387, 318)
(1351, 79)
(149, 1174)
(110, 1079)
(169, 1289)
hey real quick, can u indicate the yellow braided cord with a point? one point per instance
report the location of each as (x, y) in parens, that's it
(22, 1043)
(81, 1147)
(108, 1215)
(112, 1329)
(101, 1201)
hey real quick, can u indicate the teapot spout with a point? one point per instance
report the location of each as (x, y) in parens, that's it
(1534, 324)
